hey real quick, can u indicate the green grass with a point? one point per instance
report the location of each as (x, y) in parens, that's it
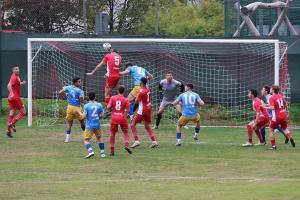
(36, 164)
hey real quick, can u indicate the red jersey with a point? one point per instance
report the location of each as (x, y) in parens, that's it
(15, 83)
(143, 98)
(113, 61)
(279, 103)
(119, 104)
(257, 107)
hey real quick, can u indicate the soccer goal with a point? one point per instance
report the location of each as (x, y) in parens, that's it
(222, 70)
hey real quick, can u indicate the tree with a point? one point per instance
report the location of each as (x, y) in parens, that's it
(181, 19)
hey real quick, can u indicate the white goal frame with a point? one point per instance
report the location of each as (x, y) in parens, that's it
(30, 58)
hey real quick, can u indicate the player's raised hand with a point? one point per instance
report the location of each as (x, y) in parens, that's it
(23, 82)
(90, 74)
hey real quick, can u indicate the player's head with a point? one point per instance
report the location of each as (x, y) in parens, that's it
(121, 89)
(252, 94)
(128, 64)
(16, 70)
(143, 81)
(92, 96)
(169, 76)
(265, 90)
(77, 81)
(189, 87)
(275, 89)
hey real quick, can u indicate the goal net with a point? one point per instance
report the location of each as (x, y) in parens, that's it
(222, 71)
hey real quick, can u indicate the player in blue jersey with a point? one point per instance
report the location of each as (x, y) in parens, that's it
(265, 92)
(93, 111)
(189, 101)
(136, 73)
(74, 111)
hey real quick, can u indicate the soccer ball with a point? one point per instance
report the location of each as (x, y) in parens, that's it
(106, 46)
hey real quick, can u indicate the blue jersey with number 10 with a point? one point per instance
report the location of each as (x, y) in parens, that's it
(137, 73)
(93, 112)
(73, 95)
(189, 101)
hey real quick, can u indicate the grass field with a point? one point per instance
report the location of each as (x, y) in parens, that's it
(36, 164)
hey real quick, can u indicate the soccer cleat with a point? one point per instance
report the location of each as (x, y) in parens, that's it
(112, 154)
(247, 144)
(286, 140)
(154, 145)
(67, 140)
(135, 144)
(8, 133)
(260, 144)
(178, 144)
(273, 148)
(102, 155)
(154, 127)
(89, 156)
(13, 127)
(292, 142)
(196, 137)
(128, 150)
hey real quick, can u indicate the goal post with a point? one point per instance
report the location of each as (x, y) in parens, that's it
(221, 69)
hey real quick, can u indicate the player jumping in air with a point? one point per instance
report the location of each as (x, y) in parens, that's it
(14, 101)
(119, 105)
(113, 61)
(261, 120)
(189, 101)
(169, 89)
(93, 111)
(136, 73)
(278, 106)
(74, 111)
(143, 102)
(265, 92)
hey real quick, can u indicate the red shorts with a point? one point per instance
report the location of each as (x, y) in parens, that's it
(280, 121)
(15, 104)
(114, 128)
(111, 81)
(146, 117)
(261, 122)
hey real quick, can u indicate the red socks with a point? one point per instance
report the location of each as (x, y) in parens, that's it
(273, 143)
(134, 132)
(19, 116)
(258, 133)
(250, 133)
(127, 139)
(289, 136)
(112, 142)
(150, 133)
(9, 120)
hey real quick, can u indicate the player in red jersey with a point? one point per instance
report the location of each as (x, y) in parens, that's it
(143, 102)
(14, 101)
(120, 106)
(113, 61)
(278, 106)
(261, 120)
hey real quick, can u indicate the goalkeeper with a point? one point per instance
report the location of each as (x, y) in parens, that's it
(168, 89)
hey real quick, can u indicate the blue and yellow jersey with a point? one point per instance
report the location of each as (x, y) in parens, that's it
(189, 101)
(137, 73)
(93, 111)
(73, 95)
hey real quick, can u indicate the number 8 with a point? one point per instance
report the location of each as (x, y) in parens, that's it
(118, 105)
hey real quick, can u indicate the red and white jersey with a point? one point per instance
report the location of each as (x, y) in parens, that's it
(119, 104)
(15, 83)
(257, 107)
(279, 103)
(144, 101)
(113, 61)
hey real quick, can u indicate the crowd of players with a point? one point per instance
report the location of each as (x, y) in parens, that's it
(139, 108)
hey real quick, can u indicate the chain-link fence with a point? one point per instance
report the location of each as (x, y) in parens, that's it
(263, 19)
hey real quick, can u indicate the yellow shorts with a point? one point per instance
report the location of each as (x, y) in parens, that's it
(88, 134)
(74, 112)
(135, 91)
(184, 120)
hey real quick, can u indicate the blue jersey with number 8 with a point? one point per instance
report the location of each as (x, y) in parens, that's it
(189, 101)
(93, 111)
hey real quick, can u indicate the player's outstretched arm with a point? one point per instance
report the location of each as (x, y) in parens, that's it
(149, 76)
(125, 72)
(175, 102)
(96, 69)
(62, 91)
(201, 102)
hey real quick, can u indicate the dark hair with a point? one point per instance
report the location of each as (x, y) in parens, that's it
(75, 80)
(128, 64)
(121, 89)
(92, 96)
(253, 92)
(170, 72)
(276, 89)
(267, 88)
(144, 80)
(115, 50)
(191, 86)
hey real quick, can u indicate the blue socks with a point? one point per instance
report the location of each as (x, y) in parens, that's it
(178, 135)
(263, 134)
(131, 106)
(280, 131)
(68, 131)
(197, 131)
(101, 147)
(89, 148)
